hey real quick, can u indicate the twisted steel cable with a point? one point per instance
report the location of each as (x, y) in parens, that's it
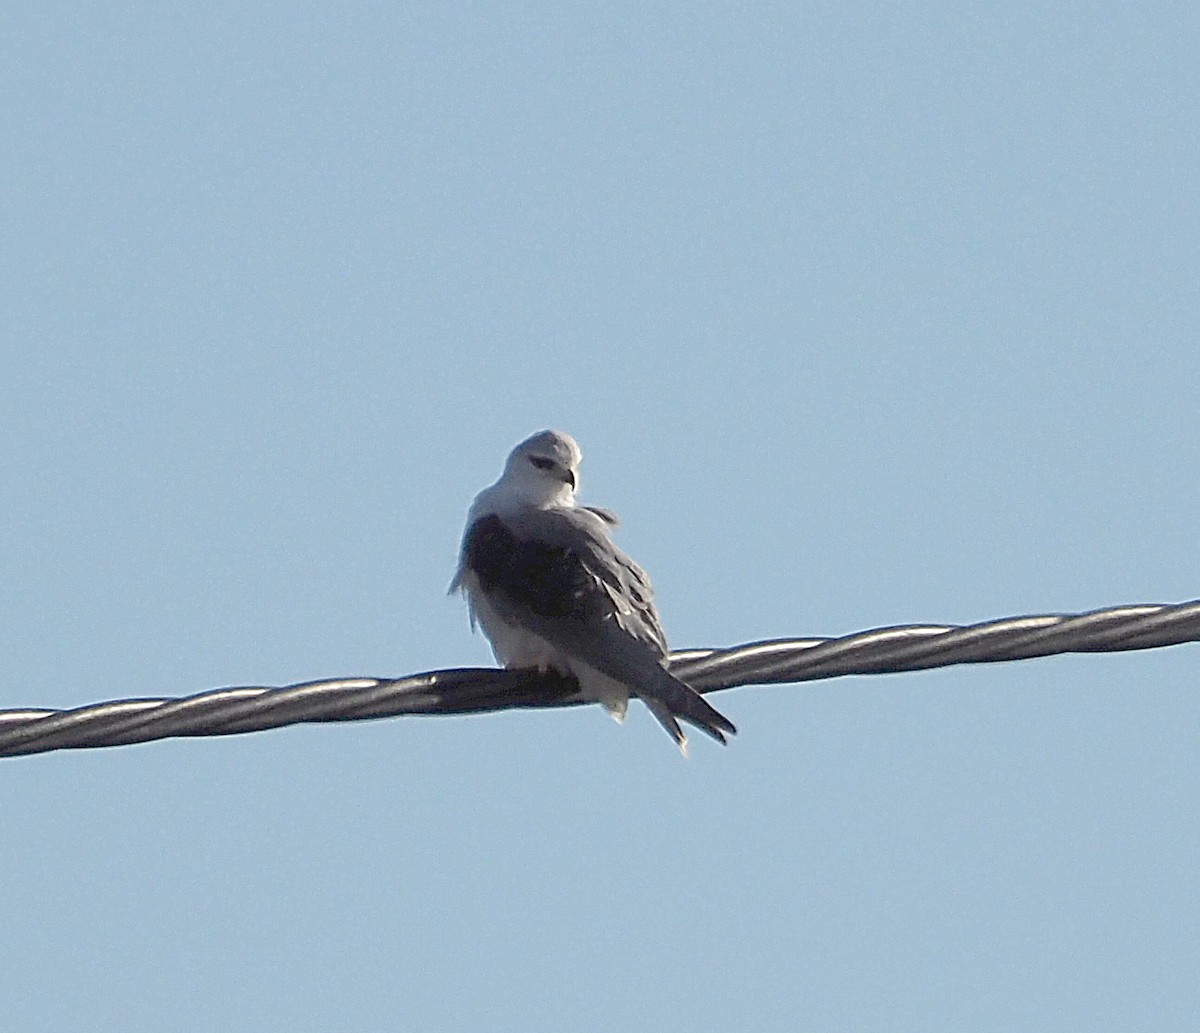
(888, 650)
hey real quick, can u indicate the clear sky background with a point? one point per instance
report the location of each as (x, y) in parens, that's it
(863, 315)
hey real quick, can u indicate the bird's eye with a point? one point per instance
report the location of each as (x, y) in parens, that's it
(542, 463)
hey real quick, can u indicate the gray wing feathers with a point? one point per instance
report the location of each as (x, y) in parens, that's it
(584, 535)
(616, 629)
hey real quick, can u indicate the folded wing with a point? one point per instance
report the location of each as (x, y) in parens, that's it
(558, 574)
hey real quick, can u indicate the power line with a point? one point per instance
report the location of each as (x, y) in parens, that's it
(888, 650)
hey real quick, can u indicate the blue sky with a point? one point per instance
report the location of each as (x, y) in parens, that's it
(862, 315)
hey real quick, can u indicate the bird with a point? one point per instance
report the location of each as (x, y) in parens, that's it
(551, 591)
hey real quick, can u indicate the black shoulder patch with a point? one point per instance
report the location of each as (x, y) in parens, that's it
(548, 579)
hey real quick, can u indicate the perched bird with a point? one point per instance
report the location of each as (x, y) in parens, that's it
(551, 590)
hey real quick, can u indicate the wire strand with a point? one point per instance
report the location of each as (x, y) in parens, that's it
(911, 647)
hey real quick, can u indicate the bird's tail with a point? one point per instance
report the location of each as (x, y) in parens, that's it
(670, 698)
(667, 720)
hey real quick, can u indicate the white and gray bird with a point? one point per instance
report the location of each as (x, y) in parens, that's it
(551, 590)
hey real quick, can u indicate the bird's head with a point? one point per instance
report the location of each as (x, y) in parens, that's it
(543, 470)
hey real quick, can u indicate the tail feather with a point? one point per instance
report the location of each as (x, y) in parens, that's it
(680, 700)
(667, 720)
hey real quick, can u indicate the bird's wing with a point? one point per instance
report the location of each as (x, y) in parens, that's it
(607, 515)
(557, 573)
